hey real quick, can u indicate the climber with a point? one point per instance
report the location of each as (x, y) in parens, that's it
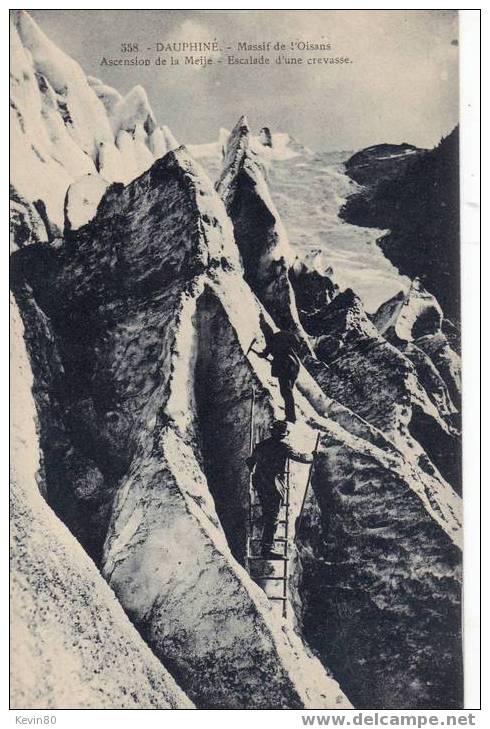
(284, 347)
(268, 462)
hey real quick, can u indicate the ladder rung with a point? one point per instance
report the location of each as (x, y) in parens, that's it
(276, 597)
(259, 539)
(258, 505)
(269, 559)
(268, 577)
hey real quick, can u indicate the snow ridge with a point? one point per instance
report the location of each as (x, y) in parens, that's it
(66, 125)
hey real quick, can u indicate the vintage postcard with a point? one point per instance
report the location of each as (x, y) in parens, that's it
(235, 360)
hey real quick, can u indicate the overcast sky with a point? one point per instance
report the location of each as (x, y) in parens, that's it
(401, 87)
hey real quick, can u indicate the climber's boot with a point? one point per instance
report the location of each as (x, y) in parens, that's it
(271, 555)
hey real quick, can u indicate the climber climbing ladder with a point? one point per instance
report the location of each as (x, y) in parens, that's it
(266, 565)
(254, 559)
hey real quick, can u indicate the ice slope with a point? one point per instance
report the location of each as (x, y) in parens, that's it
(142, 267)
(138, 329)
(65, 126)
(264, 247)
(414, 322)
(415, 313)
(153, 319)
(374, 523)
(308, 190)
(393, 391)
(73, 647)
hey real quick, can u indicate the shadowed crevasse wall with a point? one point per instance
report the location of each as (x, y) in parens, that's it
(380, 588)
(111, 312)
(224, 384)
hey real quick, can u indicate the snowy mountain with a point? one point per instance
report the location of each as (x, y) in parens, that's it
(132, 349)
(66, 125)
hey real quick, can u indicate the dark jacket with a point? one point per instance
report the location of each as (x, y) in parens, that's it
(269, 463)
(284, 348)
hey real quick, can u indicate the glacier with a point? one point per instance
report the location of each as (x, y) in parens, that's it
(139, 276)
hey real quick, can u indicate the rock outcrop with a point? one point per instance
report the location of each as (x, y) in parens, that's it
(415, 195)
(381, 161)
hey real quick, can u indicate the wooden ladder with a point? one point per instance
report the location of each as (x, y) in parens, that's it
(254, 559)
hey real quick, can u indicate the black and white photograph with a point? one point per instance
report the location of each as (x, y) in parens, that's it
(235, 339)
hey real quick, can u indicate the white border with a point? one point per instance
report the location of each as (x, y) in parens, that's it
(470, 279)
(470, 250)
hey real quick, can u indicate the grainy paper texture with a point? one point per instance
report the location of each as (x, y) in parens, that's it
(236, 433)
